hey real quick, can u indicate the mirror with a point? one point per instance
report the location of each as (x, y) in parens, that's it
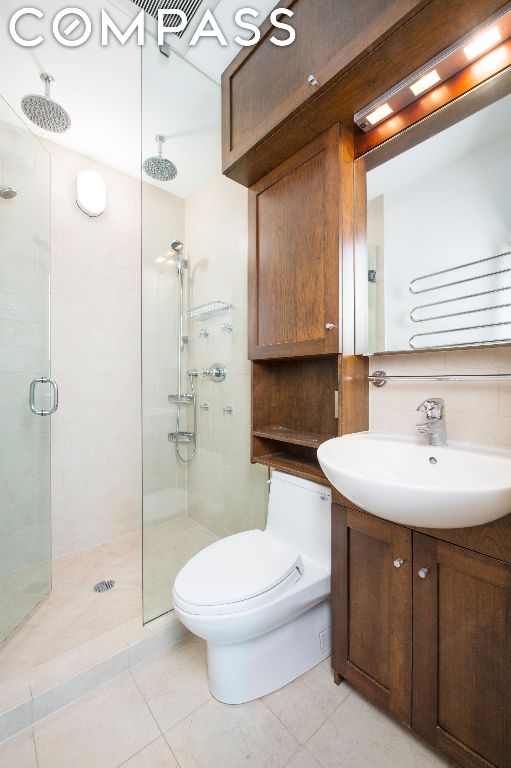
(437, 262)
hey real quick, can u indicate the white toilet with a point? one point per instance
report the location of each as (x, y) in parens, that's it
(261, 600)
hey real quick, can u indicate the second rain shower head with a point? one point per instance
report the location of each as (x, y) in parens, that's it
(159, 167)
(43, 111)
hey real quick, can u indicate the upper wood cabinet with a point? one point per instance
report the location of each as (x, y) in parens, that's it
(294, 243)
(266, 84)
(462, 652)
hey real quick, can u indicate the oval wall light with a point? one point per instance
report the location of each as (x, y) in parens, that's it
(91, 193)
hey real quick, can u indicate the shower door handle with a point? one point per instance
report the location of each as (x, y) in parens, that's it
(55, 399)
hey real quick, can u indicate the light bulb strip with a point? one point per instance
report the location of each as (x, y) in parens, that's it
(448, 63)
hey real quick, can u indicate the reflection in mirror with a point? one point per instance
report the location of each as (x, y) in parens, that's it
(439, 239)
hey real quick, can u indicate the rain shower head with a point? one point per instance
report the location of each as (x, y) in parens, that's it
(7, 193)
(45, 112)
(159, 167)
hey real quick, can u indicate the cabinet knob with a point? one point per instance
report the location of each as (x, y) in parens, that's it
(398, 562)
(423, 573)
(330, 326)
(312, 79)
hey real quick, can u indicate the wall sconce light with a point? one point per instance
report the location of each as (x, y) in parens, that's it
(91, 193)
(448, 63)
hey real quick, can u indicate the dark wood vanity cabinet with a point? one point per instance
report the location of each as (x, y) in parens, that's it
(462, 652)
(294, 231)
(372, 608)
(422, 627)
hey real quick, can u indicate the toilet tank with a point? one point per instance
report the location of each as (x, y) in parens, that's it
(299, 513)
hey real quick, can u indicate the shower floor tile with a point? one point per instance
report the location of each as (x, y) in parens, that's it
(74, 627)
(73, 614)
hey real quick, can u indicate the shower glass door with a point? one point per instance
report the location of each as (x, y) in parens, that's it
(25, 524)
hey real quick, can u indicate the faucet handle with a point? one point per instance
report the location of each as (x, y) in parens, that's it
(433, 407)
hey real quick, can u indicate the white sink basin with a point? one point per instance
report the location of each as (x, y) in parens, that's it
(409, 482)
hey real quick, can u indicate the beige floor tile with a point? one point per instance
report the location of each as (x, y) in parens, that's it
(156, 755)
(305, 704)
(102, 729)
(222, 736)
(14, 692)
(303, 759)
(175, 683)
(19, 752)
(358, 735)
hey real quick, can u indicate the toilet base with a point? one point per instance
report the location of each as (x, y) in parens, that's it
(242, 672)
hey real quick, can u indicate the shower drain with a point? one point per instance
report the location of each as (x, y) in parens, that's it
(104, 586)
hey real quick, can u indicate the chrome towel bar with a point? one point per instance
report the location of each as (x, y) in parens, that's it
(380, 378)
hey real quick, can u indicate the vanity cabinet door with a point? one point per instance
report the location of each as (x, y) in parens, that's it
(372, 608)
(294, 222)
(462, 653)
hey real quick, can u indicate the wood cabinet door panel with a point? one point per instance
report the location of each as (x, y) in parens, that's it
(372, 608)
(294, 255)
(462, 653)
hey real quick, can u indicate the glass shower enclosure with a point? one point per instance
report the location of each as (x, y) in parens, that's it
(27, 394)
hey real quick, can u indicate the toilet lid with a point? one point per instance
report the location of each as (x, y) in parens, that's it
(235, 569)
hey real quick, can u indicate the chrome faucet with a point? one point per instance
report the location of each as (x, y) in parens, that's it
(434, 426)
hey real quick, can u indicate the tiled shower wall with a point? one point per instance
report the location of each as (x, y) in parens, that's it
(96, 456)
(226, 493)
(477, 412)
(164, 478)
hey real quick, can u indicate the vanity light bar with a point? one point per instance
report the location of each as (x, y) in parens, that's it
(448, 63)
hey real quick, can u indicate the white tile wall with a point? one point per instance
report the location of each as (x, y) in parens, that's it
(164, 478)
(475, 412)
(96, 456)
(226, 493)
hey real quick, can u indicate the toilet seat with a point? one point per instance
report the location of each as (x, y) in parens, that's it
(237, 574)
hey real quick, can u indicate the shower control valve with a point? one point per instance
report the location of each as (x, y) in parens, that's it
(205, 407)
(217, 372)
(203, 333)
(229, 410)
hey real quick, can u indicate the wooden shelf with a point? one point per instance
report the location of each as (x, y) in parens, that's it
(293, 436)
(296, 465)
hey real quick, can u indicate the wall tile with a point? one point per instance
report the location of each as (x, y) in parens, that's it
(476, 412)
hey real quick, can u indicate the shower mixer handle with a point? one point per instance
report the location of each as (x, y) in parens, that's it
(217, 372)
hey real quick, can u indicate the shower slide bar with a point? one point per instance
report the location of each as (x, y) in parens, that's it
(380, 378)
(415, 314)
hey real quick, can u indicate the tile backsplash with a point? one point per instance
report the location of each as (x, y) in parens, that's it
(476, 412)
